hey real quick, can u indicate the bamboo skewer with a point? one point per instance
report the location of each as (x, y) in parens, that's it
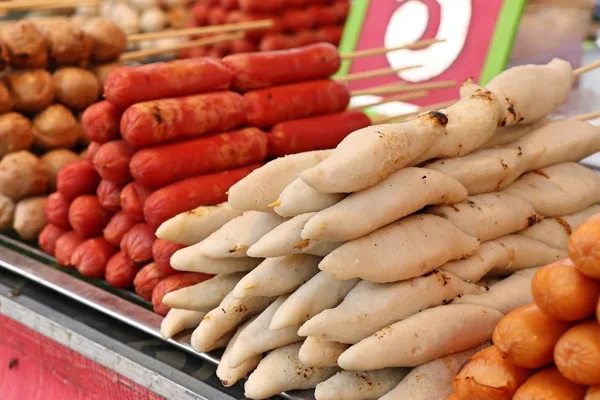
(383, 50)
(586, 68)
(403, 87)
(405, 96)
(25, 5)
(203, 30)
(373, 73)
(142, 54)
(587, 117)
(431, 107)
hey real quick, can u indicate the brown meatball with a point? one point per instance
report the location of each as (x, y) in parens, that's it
(4, 57)
(6, 103)
(76, 88)
(22, 174)
(109, 39)
(54, 160)
(55, 127)
(15, 133)
(69, 45)
(25, 44)
(31, 90)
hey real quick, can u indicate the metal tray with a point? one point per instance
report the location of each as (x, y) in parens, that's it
(29, 262)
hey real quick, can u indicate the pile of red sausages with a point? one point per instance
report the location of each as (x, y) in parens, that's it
(296, 23)
(173, 136)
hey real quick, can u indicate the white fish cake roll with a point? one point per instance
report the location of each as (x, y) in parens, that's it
(177, 321)
(365, 385)
(203, 296)
(299, 198)
(283, 240)
(317, 352)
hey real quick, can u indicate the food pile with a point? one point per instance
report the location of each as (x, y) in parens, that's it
(297, 23)
(551, 347)
(174, 136)
(402, 248)
(52, 72)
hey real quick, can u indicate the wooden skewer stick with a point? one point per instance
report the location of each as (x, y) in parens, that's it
(586, 68)
(143, 54)
(431, 107)
(43, 4)
(405, 96)
(403, 87)
(203, 30)
(587, 117)
(383, 50)
(374, 73)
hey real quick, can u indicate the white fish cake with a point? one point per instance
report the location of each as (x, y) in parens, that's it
(283, 240)
(257, 339)
(472, 269)
(372, 306)
(281, 370)
(319, 293)
(369, 155)
(317, 352)
(510, 134)
(504, 296)
(399, 195)
(405, 249)
(190, 259)
(277, 276)
(203, 296)
(558, 190)
(235, 237)
(225, 318)
(423, 337)
(555, 231)
(525, 92)
(364, 385)
(262, 186)
(432, 380)
(299, 198)
(489, 216)
(178, 321)
(194, 226)
(319, 248)
(230, 376)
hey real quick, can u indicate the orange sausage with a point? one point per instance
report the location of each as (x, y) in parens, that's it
(488, 376)
(100, 122)
(564, 293)
(133, 197)
(112, 161)
(77, 178)
(526, 337)
(117, 227)
(65, 246)
(584, 247)
(57, 210)
(87, 217)
(147, 278)
(48, 238)
(549, 384)
(91, 257)
(121, 271)
(577, 353)
(162, 250)
(137, 243)
(109, 195)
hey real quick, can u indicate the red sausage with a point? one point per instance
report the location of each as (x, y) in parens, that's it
(190, 193)
(57, 210)
(109, 195)
(91, 257)
(112, 161)
(315, 133)
(243, 46)
(306, 37)
(92, 149)
(65, 246)
(161, 121)
(137, 243)
(200, 12)
(120, 271)
(147, 278)
(260, 70)
(162, 250)
(117, 227)
(330, 15)
(171, 283)
(266, 107)
(216, 16)
(48, 238)
(159, 166)
(296, 20)
(256, 34)
(229, 4)
(133, 197)
(100, 122)
(129, 85)
(269, 6)
(331, 34)
(276, 42)
(87, 217)
(77, 178)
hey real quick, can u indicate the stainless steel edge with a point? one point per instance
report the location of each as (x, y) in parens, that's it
(101, 300)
